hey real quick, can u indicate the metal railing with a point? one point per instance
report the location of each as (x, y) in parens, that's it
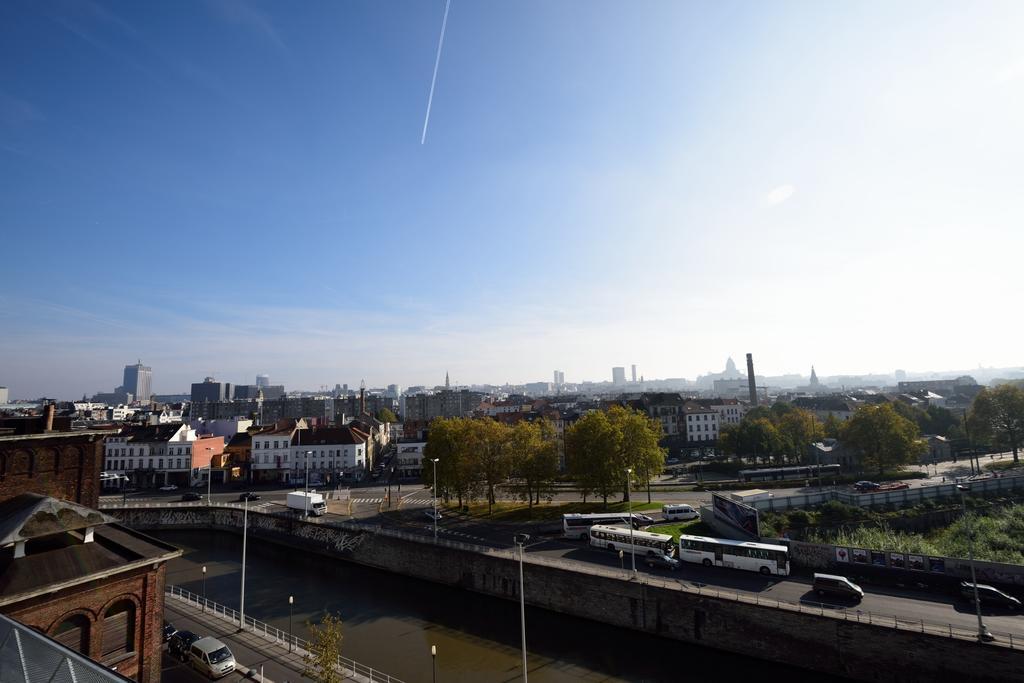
(345, 666)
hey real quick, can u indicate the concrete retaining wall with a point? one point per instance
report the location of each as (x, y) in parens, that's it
(868, 652)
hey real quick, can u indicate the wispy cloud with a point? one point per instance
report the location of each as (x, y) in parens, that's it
(15, 111)
(1013, 71)
(242, 13)
(779, 195)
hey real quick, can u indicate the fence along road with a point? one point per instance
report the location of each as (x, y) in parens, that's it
(261, 636)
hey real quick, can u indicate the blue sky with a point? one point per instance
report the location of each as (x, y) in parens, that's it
(239, 187)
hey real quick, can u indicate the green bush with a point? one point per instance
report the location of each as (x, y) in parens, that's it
(835, 512)
(800, 518)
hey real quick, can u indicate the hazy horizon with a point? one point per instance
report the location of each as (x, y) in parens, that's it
(236, 187)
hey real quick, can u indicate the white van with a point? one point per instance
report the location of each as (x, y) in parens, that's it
(674, 513)
(211, 657)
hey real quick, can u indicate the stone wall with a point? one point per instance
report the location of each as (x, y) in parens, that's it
(862, 651)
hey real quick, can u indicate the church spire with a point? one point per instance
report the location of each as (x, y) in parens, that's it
(447, 384)
(814, 377)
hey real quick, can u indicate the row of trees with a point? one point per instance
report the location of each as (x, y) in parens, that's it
(474, 457)
(997, 418)
(884, 438)
(781, 434)
(601, 446)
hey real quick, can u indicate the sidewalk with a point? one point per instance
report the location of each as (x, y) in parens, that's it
(251, 651)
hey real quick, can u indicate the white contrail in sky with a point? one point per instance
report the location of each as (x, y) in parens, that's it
(437, 62)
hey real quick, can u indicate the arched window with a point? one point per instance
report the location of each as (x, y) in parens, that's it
(73, 633)
(119, 629)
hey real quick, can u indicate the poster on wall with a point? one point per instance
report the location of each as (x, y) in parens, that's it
(860, 555)
(897, 561)
(915, 562)
(937, 565)
(877, 558)
(737, 515)
(842, 555)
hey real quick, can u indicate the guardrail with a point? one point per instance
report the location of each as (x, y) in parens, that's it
(947, 629)
(1004, 639)
(346, 667)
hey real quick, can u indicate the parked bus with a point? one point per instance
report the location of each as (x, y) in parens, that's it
(577, 525)
(637, 542)
(724, 552)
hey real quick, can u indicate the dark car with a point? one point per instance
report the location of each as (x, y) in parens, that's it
(191, 495)
(866, 486)
(248, 495)
(988, 595)
(169, 630)
(661, 562)
(837, 586)
(179, 644)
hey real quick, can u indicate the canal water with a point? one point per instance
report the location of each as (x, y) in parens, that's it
(391, 621)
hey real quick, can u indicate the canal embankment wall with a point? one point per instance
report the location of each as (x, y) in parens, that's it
(820, 641)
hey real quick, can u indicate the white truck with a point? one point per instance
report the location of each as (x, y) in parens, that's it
(307, 501)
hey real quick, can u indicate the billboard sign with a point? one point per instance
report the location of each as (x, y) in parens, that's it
(741, 517)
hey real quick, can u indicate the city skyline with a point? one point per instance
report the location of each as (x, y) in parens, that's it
(662, 185)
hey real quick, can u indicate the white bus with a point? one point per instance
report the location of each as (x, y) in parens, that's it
(673, 513)
(577, 525)
(722, 552)
(643, 542)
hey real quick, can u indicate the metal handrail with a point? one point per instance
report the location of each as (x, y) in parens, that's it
(346, 666)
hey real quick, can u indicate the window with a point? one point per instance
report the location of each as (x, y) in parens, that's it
(161, 465)
(119, 629)
(131, 464)
(256, 444)
(73, 633)
(275, 444)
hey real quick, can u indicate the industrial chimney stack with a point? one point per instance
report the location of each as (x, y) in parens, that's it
(750, 380)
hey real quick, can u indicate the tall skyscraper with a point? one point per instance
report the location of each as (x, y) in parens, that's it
(619, 375)
(634, 372)
(559, 378)
(262, 381)
(138, 380)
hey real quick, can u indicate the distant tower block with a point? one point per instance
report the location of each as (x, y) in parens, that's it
(750, 380)
(634, 373)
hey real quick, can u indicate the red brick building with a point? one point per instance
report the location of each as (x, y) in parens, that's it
(67, 569)
(64, 465)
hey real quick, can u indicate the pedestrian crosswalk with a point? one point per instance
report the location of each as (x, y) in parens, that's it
(368, 500)
(452, 532)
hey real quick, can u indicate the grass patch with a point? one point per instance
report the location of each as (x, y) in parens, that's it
(693, 527)
(521, 512)
(1001, 465)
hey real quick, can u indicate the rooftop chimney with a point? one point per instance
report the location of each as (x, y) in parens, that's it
(48, 412)
(750, 380)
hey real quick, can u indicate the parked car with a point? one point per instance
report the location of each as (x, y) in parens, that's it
(179, 644)
(837, 586)
(866, 486)
(191, 495)
(643, 520)
(169, 630)
(211, 657)
(661, 562)
(248, 495)
(169, 487)
(988, 595)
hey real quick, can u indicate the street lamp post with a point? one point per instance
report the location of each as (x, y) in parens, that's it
(291, 601)
(433, 661)
(305, 505)
(970, 558)
(520, 540)
(209, 477)
(434, 460)
(245, 536)
(629, 502)
(204, 587)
